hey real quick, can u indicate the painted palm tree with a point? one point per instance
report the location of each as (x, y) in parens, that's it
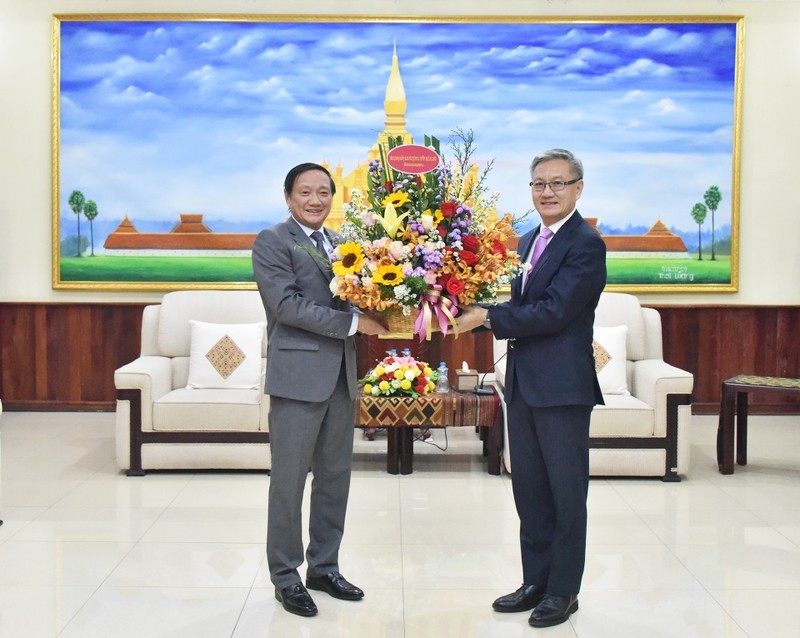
(712, 198)
(699, 212)
(90, 210)
(76, 203)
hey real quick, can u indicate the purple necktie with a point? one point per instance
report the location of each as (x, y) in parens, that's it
(538, 247)
(320, 242)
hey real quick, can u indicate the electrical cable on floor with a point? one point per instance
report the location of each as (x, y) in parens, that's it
(419, 437)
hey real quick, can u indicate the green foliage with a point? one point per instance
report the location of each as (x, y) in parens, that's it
(712, 197)
(70, 245)
(90, 210)
(116, 268)
(699, 212)
(76, 202)
(667, 272)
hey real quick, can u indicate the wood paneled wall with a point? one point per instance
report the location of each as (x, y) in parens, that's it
(63, 356)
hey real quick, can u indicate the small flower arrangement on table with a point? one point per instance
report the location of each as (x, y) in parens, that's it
(419, 245)
(400, 376)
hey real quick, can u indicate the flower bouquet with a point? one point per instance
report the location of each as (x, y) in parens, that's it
(400, 376)
(424, 240)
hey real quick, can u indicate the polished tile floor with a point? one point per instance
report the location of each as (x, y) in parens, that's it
(86, 552)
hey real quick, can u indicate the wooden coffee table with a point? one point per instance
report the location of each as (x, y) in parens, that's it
(734, 404)
(400, 415)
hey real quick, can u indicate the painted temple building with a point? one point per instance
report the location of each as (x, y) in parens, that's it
(657, 243)
(189, 238)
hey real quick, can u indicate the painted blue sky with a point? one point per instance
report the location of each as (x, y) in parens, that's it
(159, 118)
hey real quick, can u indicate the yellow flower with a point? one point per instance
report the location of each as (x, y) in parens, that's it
(391, 221)
(384, 385)
(405, 384)
(399, 374)
(378, 372)
(367, 388)
(389, 274)
(397, 199)
(352, 259)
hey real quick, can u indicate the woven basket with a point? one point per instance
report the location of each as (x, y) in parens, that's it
(400, 326)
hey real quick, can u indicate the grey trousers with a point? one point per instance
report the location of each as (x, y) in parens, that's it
(315, 437)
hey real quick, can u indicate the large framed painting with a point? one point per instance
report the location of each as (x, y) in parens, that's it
(172, 133)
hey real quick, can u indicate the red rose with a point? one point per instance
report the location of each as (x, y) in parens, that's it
(470, 242)
(422, 383)
(468, 257)
(442, 281)
(499, 248)
(442, 231)
(455, 286)
(389, 186)
(418, 181)
(448, 209)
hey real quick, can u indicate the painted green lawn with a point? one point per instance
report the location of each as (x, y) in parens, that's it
(669, 271)
(240, 269)
(158, 269)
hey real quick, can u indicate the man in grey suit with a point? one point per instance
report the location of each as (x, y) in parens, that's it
(311, 380)
(551, 388)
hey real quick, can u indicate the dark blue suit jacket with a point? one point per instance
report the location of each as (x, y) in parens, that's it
(550, 319)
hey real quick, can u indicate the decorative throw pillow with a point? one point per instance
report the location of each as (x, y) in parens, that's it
(610, 356)
(225, 356)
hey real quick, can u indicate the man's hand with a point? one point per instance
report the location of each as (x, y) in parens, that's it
(368, 325)
(471, 317)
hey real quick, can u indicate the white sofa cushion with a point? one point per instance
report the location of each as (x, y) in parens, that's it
(213, 306)
(225, 356)
(617, 309)
(622, 415)
(611, 359)
(207, 410)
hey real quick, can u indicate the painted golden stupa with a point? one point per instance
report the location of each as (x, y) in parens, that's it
(394, 105)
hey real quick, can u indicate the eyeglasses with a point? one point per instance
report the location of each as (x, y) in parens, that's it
(557, 186)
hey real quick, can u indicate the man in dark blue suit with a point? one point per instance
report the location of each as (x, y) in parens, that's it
(551, 388)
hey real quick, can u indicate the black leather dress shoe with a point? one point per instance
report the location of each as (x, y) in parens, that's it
(553, 610)
(524, 599)
(296, 600)
(335, 585)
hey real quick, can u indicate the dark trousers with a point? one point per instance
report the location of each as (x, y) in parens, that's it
(550, 480)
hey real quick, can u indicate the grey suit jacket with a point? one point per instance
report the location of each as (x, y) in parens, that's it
(306, 326)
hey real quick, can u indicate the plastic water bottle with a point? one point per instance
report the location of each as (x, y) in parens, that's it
(443, 385)
(406, 352)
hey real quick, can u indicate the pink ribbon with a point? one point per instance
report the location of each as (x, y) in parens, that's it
(435, 304)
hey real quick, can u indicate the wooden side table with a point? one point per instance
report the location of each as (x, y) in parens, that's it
(734, 402)
(400, 415)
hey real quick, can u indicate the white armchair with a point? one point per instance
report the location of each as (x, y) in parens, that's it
(163, 424)
(642, 430)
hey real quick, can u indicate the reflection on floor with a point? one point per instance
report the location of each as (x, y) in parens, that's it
(87, 552)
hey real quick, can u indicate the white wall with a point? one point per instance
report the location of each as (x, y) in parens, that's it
(769, 210)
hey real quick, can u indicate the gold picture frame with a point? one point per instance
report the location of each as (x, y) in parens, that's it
(180, 128)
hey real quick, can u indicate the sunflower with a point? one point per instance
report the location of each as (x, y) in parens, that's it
(352, 259)
(398, 199)
(388, 274)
